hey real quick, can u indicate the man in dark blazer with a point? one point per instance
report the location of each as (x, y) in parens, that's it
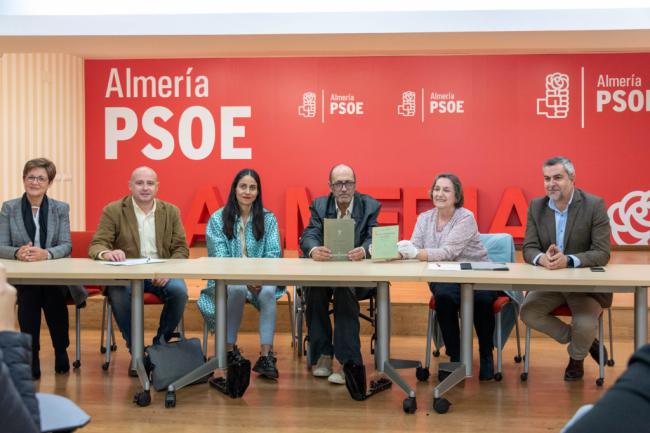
(568, 228)
(139, 226)
(342, 202)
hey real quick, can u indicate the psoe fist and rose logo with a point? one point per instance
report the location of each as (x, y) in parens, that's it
(630, 219)
(555, 103)
(408, 106)
(308, 106)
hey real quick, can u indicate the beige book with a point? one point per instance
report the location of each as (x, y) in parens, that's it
(384, 243)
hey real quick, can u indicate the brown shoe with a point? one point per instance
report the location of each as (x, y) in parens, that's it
(575, 370)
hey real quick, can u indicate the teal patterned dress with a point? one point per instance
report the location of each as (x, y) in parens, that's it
(220, 246)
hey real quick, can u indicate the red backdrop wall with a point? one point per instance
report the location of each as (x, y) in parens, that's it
(492, 120)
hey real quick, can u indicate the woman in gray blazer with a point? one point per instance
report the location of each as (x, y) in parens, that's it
(34, 228)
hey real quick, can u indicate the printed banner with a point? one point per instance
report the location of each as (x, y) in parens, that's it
(398, 121)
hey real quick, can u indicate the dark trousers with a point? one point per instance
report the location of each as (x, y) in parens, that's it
(447, 309)
(346, 345)
(174, 296)
(52, 299)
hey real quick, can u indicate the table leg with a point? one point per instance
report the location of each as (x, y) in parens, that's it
(219, 361)
(382, 351)
(640, 316)
(221, 324)
(467, 319)
(137, 341)
(137, 329)
(383, 363)
(458, 371)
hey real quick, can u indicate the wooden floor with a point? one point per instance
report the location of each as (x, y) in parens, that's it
(299, 402)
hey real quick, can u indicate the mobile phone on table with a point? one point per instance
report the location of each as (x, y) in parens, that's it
(597, 269)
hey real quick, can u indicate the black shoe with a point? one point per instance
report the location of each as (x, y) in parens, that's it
(575, 370)
(234, 356)
(486, 371)
(237, 375)
(266, 366)
(594, 351)
(443, 374)
(61, 361)
(355, 380)
(36, 366)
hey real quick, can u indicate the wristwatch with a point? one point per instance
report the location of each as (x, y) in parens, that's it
(569, 262)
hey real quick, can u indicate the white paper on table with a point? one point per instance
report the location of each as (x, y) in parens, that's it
(438, 266)
(133, 262)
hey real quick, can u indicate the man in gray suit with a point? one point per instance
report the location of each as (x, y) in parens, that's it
(568, 228)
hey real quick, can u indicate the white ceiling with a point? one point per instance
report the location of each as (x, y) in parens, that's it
(202, 28)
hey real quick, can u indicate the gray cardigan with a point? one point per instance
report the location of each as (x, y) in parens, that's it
(13, 235)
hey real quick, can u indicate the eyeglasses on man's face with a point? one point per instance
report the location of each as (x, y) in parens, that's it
(36, 179)
(338, 186)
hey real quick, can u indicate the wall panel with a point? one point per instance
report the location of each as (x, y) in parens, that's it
(42, 114)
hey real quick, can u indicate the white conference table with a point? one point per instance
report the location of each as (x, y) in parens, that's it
(618, 278)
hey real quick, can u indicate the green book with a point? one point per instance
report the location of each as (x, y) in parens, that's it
(384, 242)
(339, 237)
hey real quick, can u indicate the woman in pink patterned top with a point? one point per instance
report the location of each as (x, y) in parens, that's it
(449, 233)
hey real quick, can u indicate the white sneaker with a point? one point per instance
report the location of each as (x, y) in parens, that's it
(323, 367)
(337, 378)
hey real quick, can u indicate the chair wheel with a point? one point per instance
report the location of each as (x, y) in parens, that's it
(76, 364)
(409, 405)
(610, 362)
(102, 349)
(422, 374)
(105, 366)
(600, 381)
(498, 377)
(436, 353)
(524, 377)
(518, 359)
(113, 347)
(170, 399)
(142, 398)
(441, 405)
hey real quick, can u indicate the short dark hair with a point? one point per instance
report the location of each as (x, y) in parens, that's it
(566, 164)
(458, 188)
(342, 165)
(45, 163)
